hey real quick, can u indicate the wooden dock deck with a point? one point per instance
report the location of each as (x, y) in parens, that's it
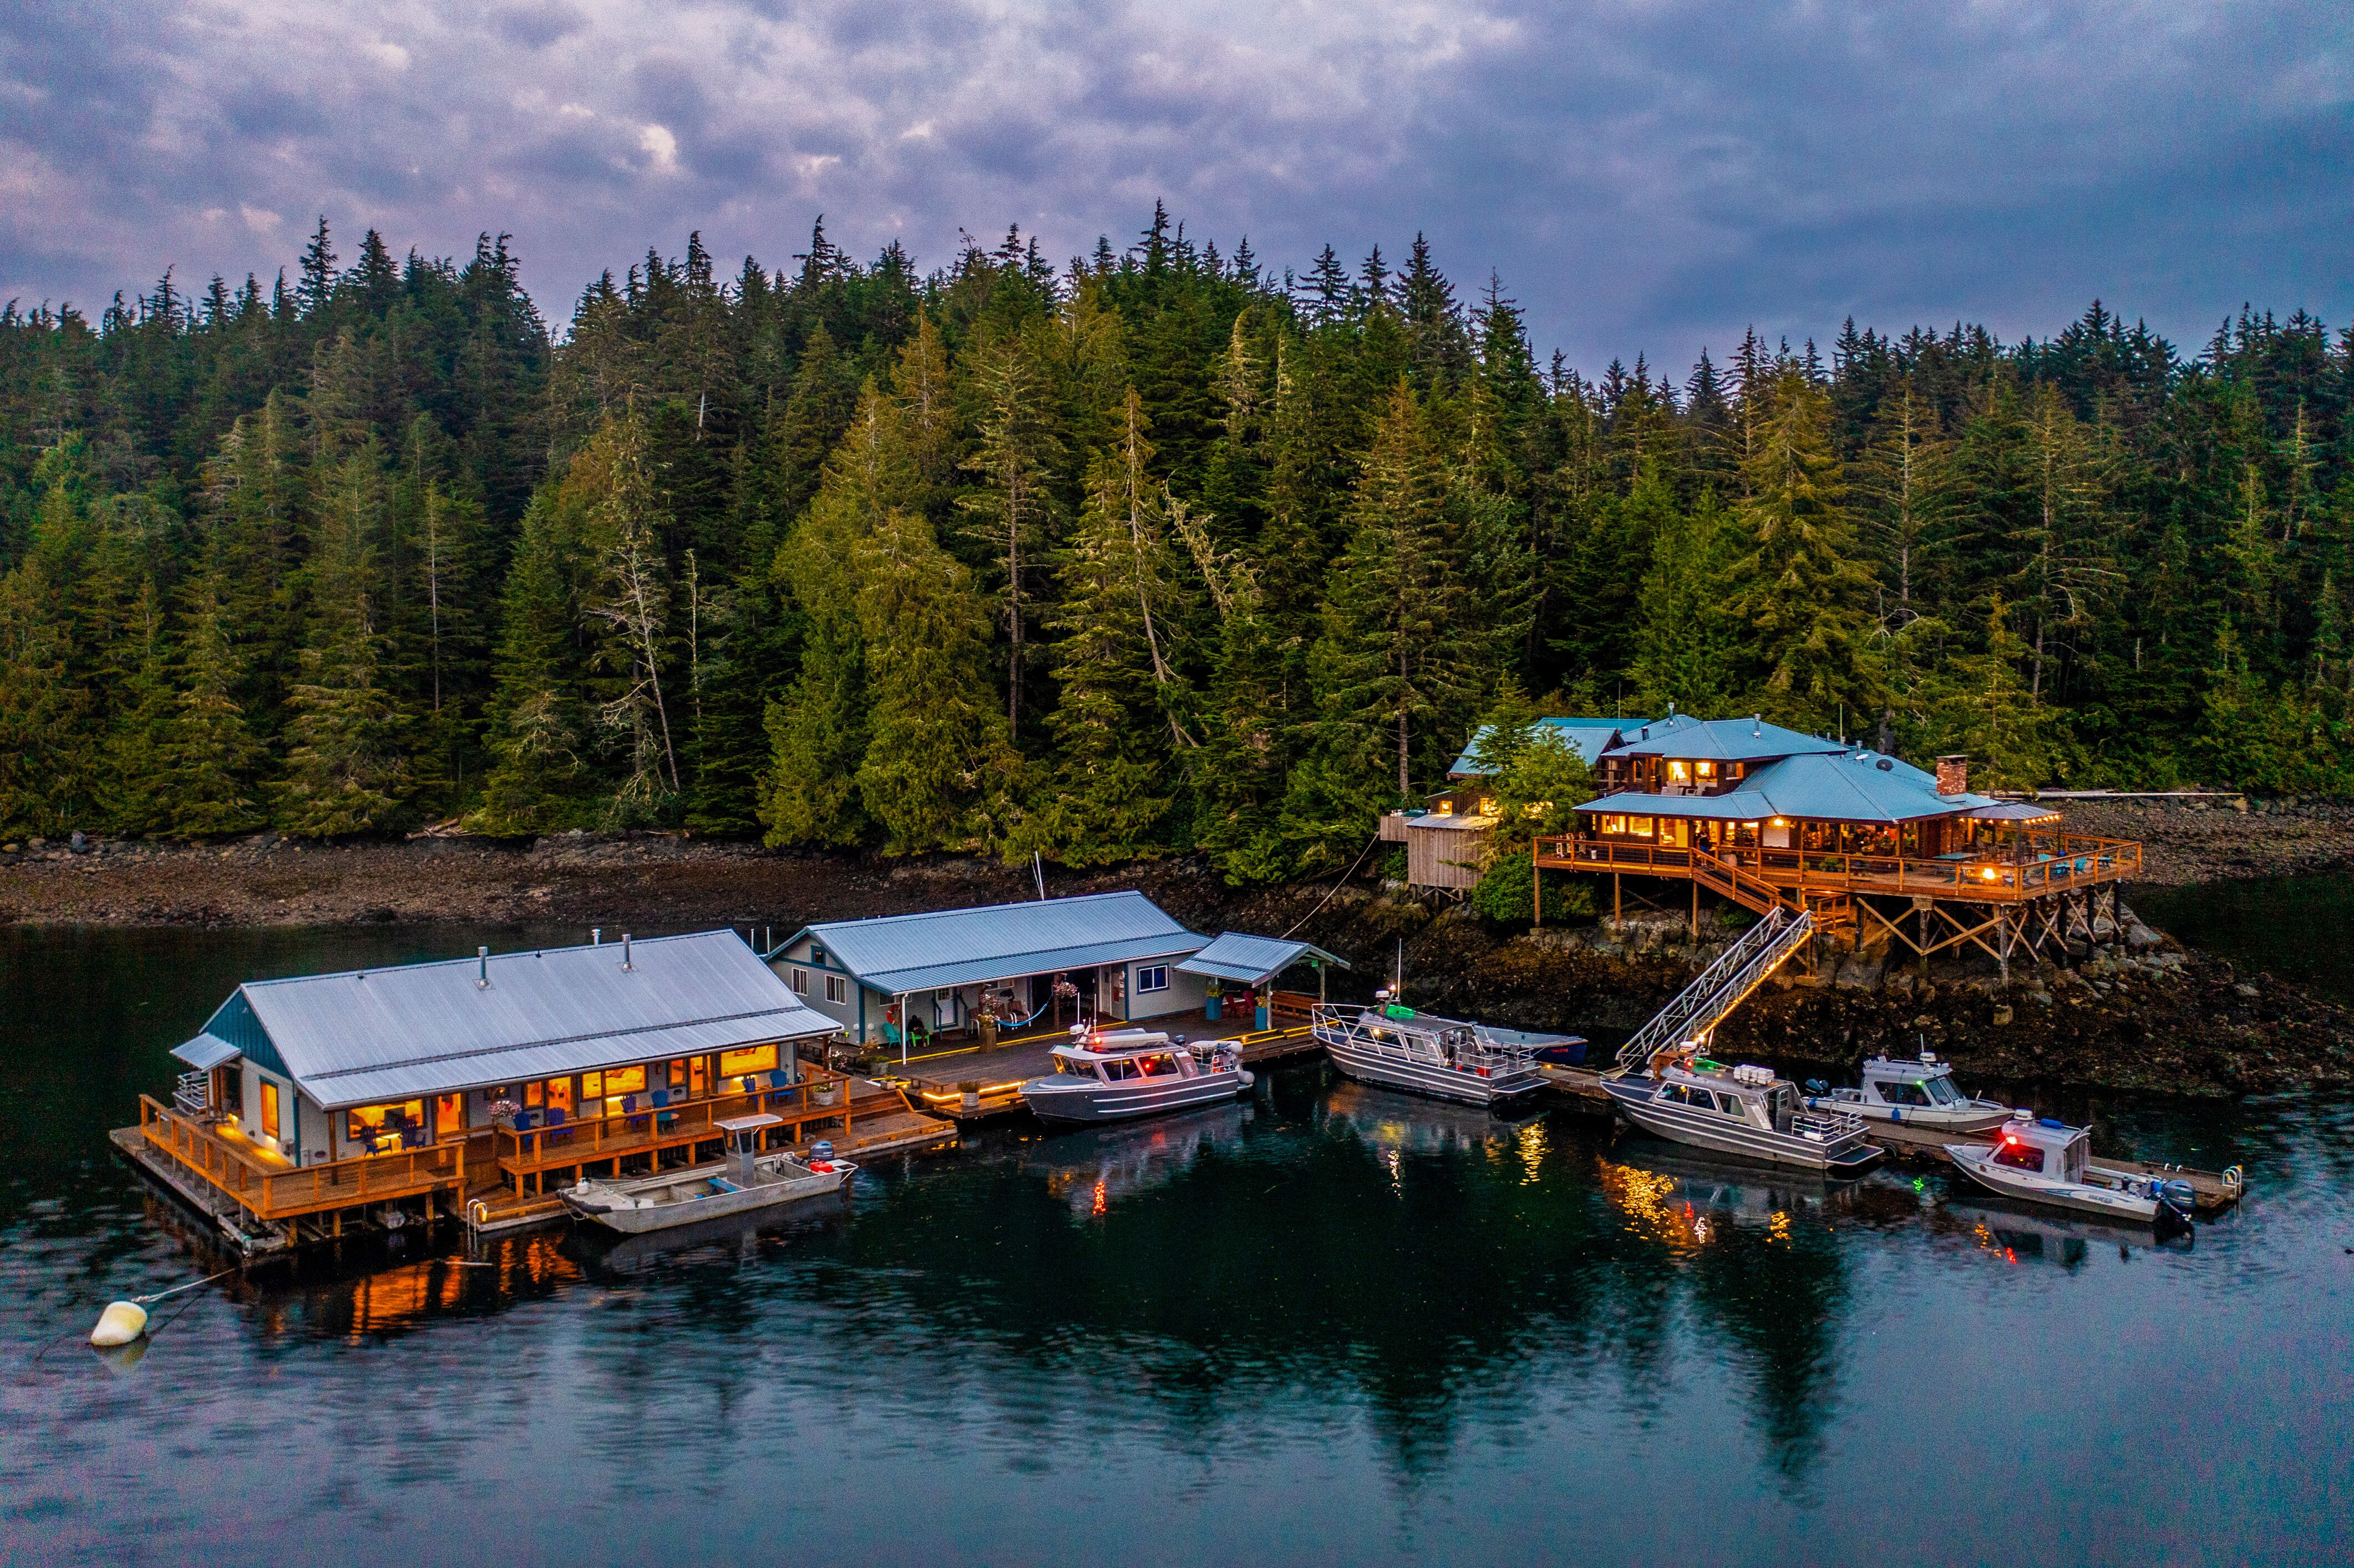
(2212, 1191)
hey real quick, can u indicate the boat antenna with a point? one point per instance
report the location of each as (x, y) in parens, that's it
(1398, 985)
(1038, 870)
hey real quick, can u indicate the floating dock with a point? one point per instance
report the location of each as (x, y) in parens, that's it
(2213, 1191)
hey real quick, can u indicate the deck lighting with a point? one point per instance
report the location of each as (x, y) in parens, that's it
(1779, 823)
(1989, 874)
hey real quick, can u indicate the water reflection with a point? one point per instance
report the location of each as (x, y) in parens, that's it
(1382, 1325)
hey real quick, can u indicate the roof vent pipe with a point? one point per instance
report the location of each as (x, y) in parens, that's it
(596, 936)
(625, 951)
(482, 974)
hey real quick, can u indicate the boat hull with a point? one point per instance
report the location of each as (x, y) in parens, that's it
(1972, 1117)
(1843, 1155)
(1975, 1160)
(1395, 1071)
(717, 1206)
(1087, 1103)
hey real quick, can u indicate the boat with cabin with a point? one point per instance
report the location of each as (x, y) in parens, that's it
(1920, 1093)
(1397, 1047)
(1745, 1110)
(746, 1180)
(2049, 1162)
(1112, 1074)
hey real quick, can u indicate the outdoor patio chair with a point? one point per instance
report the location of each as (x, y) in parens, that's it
(663, 1119)
(555, 1119)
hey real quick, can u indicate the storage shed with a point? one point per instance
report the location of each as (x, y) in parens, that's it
(1052, 961)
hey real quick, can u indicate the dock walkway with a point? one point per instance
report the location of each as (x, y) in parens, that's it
(2212, 1191)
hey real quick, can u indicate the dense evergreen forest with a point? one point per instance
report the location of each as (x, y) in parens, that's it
(1154, 551)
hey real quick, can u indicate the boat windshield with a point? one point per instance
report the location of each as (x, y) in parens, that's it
(1076, 1069)
(1160, 1065)
(1941, 1091)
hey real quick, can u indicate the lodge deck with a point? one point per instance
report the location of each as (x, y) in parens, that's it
(974, 1081)
(2212, 1191)
(2052, 863)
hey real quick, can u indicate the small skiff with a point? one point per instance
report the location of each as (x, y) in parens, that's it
(746, 1180)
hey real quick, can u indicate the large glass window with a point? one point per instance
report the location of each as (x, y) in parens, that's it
(448, 1115)
(382, 1127)
(625, 1080)
(836, 988)
(268, 1108)
(753, 1059)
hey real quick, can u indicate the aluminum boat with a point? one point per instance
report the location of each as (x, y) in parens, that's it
(1744, 1111)
(1399, 1048)
(746, 1180)
(1918, 1094)
(1114, 1074)
(2050, 1162)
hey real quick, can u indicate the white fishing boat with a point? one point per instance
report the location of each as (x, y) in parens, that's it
(2050, 1162)
(1114, 1074)
(1744, 1111)
(1918, 1094)
(1422, 1054)
(746, 1180)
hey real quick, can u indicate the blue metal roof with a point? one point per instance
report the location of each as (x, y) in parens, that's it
(1723, 740)
(1589, 737)
(902, 953)
(365, 1036)
(1253, 961)
(1850, 786)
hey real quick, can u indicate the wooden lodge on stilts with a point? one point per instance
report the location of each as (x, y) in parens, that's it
(1874, 848)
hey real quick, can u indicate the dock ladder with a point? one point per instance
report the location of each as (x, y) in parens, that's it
(1724, 985)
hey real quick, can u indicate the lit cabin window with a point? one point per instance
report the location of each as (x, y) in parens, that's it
(1487, 805)
(1443, 809)
(1704, 771)
(1614, 824)
(751, 1059)
(1679, 772)
(1638, 827)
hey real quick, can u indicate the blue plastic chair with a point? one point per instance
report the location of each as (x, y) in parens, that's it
(663, 1119)
(555, 1119)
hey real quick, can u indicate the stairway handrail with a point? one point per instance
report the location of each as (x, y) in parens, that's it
(1723, 986)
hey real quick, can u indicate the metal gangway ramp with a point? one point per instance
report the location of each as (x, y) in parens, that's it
(1724, 985)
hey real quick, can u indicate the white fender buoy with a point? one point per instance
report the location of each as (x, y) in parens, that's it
(122, 1322)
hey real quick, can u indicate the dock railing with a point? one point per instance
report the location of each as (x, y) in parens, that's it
(2055, 862)
(822, 1096)
(273, 1190)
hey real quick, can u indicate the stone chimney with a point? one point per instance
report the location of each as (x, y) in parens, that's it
(1953, 775)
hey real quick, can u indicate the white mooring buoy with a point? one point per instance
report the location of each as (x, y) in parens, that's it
(122, 1322)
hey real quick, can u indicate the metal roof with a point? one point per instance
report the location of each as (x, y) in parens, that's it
(904, 953)
(1851, 786)
(1724, 740)
(205, 1053)
(1589, 737)
(2014, 812)
(365, 1036)
(1253, 961)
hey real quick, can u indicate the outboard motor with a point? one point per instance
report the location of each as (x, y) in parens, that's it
(2175, 1203)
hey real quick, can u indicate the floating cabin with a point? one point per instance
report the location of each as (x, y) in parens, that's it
(904, 981)
(310, 1100)
(1874, 847)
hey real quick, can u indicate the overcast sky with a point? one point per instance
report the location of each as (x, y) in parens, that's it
(1645, 176)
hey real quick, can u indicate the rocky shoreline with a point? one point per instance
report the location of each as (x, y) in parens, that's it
(2135, 1011)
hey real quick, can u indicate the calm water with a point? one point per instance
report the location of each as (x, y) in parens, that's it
(1333, 1326)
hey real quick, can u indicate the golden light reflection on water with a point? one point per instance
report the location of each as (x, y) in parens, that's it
(1532, 1147)
(1650, 1202)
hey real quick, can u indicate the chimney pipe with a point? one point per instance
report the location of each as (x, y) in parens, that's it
(596, 936)
(482, 974)
(625, 951)
(1953, 775)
